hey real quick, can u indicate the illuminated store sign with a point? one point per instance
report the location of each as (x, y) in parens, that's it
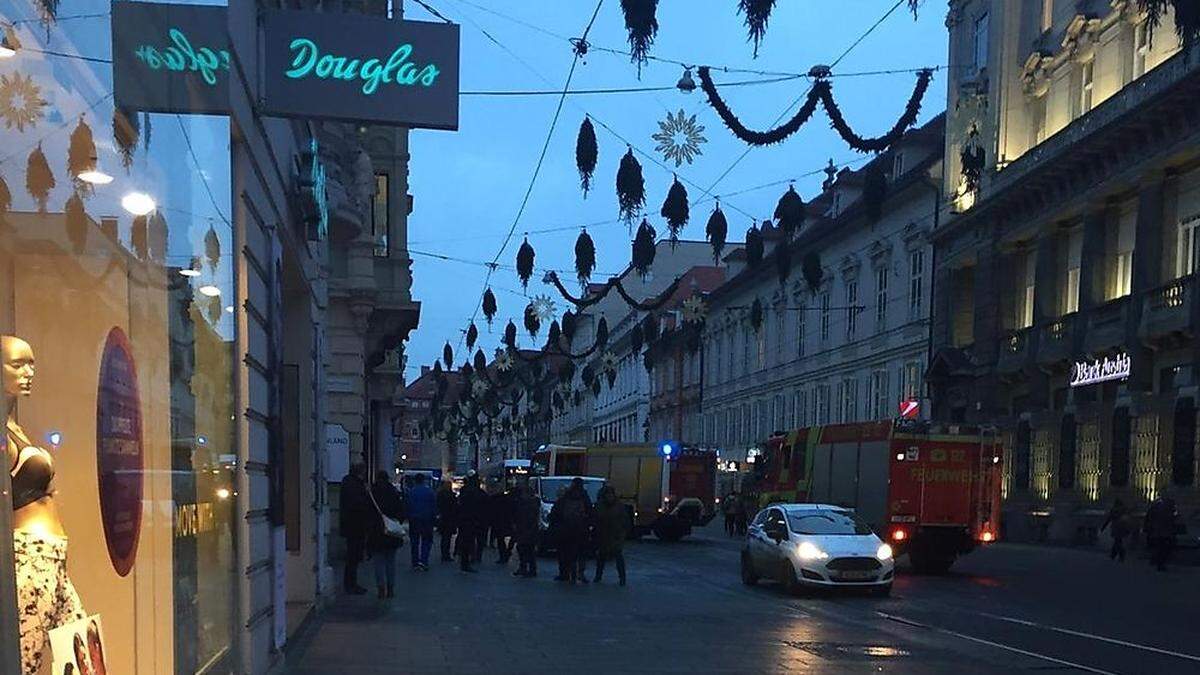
(173, 58)
(1084, 373)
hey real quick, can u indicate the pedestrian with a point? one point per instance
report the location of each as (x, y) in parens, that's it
(612, 527)
(354, 514)
(420, 504)
(1118, 523)
(568, 522)
(472, 515)
(1160, 531)
(747, 508)
(502, 523)
(727, 511)
(447, 518)
(381, 547)
(527, 515)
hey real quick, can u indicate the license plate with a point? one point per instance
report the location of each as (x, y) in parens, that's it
(856, 575)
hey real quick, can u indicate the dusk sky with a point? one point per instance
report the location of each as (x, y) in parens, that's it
(468, 185)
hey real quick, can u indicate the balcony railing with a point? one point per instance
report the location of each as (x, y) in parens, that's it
(1167, 310)
(1014, 350)
(1106, 325)
(1057, 340)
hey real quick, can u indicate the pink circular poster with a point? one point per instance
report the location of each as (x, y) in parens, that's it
(119, 451)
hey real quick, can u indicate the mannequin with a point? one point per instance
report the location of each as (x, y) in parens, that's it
(46, 599)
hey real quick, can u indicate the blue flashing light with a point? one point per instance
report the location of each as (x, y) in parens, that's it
(55, 438)
(667, 450)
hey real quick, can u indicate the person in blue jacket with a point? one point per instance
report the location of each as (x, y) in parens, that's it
(421, 508)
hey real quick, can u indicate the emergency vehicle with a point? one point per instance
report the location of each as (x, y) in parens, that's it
(667, 489)
(931, 492)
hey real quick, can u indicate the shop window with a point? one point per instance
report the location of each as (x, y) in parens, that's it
(1183, 459)
(1020, 457)
(1067, 453)
(117, 311)
(1121, 439)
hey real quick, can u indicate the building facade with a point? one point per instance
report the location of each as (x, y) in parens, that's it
(202, 259)
(1066, 305)
(844, 338)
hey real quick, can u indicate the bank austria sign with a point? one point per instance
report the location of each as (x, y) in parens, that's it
(175, 58)
(1107, 369)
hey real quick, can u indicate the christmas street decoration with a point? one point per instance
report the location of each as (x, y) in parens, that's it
(694, 309)
(679, 138)
(21, 102)
(544, 307)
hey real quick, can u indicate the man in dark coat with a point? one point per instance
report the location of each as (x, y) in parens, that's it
(447, 518)
(569, 522)
(472, 516)
(612, 527)
(527, 513)
(1160, 531)
(355, 514)
(502, 506)
(1118, 521)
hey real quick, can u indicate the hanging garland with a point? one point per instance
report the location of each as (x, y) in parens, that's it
(756, 315)
(822, 91)
(754, 247)
(642, 24)
(631, 187)
(489, 305)
(139, 237)
(790, 212)
(125, 135)
(757, 12)
(480, 362)
(76, 221)
(472, 335)
(636, 338)
(525, 257)
(569, 324)
(650, 328)
(813, 272)
(783, 260)
(612, 284)
(81, 151)
(510, 334)
(585, 257)
(1187, 17)
(643, 248)
(212, 248)
(48, 9)
(973, 161)
(448, 356)
(39, 179)
(717, 230)
(874, 191)
(532, 322)
(675, 209)
(5, 197)
(586, 154)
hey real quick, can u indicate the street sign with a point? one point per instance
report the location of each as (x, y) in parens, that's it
(910, 409)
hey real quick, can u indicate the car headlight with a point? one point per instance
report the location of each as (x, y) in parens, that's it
(884, 552)
(809, 551)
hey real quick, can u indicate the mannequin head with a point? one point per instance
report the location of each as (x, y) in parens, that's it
(17, 356)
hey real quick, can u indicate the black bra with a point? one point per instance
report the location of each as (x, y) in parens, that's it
(32, 473)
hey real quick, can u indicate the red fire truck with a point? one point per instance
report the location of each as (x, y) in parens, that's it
(667, 489)
(932, 492)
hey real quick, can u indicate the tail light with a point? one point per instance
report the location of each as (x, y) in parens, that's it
(899, 535)
(987, 536)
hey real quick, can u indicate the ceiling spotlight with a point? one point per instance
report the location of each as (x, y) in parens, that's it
(210, 291)
(8, 43)
(95, 177)
(138, 203)
(193, 270)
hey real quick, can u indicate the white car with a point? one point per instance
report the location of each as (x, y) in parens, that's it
(547, 488)
(816, 545)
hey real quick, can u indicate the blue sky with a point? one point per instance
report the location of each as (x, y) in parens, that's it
(468, 185)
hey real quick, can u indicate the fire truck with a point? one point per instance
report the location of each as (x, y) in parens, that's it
(932, 492)
(667, 489)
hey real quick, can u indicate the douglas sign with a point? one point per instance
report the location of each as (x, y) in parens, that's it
(175, 58)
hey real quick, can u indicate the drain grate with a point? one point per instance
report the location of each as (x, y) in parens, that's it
(849, 652)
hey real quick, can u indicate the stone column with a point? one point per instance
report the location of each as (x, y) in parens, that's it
(1147, 275)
